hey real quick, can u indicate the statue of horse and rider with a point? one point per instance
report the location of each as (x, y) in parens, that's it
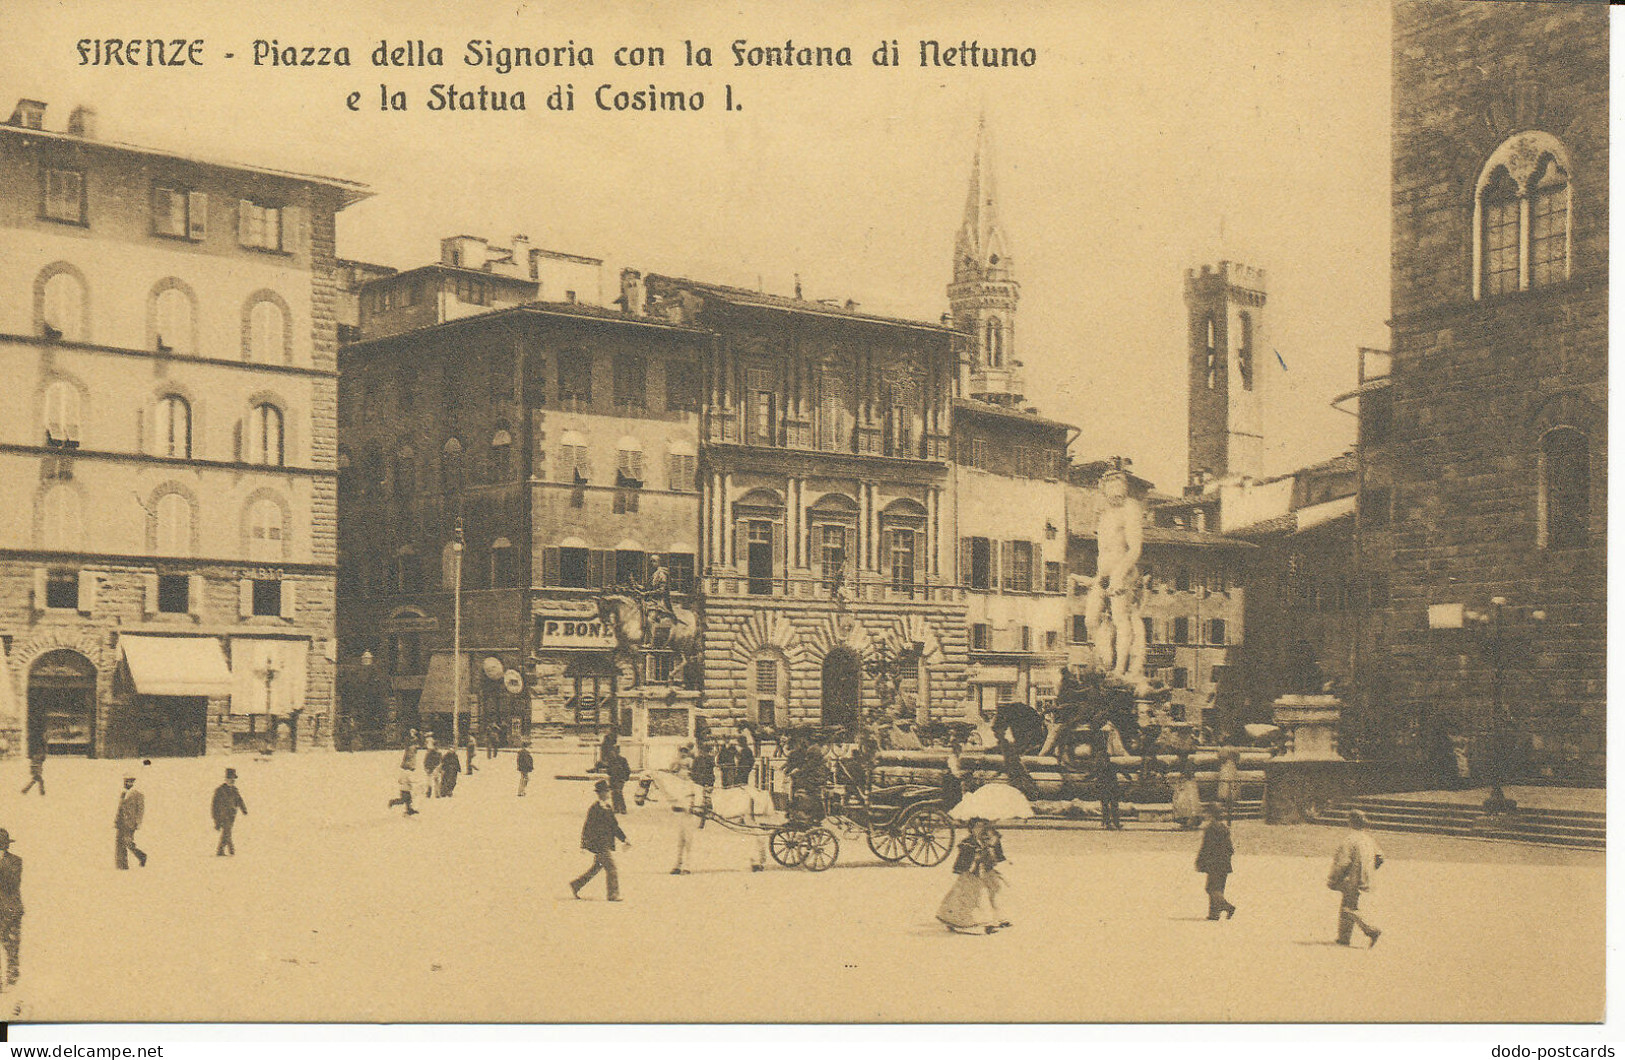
(645, 617)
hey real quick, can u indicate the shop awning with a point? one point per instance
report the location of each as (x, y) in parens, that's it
(283, 660)
(438, 685)
(176, 666)
(991, 675)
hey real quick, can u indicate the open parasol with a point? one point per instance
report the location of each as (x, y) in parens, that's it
(992, 802)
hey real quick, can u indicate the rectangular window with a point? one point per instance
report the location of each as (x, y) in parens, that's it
(62, 590)
(631, 390)
(1052, 640)
(180, 214)
(763, 417)
(1182, 581)
(1052, 577)
(259, 226)
(1216, 631)
(1052, 464)
(832, 555)
(504, 572)
(682, 386)
(1150, 630)
(1182, 630)
(630, 568)
(684, 473)
(1004, 693)
(473, 292)
(981, 563)
(267, 596)
(981, 636)
(680, 571)
(1021, 570)
(574, 565)
(1080, 629)
(979, 453)
(1181, 677)
(1548, 235)
(573, 464)
(626, 500)
(1026, 638)
(902, 560)
(65, 195)
(174, 594)
(575, 378)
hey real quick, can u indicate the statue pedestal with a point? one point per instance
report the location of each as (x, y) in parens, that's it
(1310, 723)
(654, 723)
(1311, 775)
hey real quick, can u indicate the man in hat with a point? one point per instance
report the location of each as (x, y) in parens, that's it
(227, 802)
(598, 835)
(11, 906)
(132, 808)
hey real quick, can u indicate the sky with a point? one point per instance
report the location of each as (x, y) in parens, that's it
(1146, 138)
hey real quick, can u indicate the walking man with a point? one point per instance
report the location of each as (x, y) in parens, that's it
(598, 835)
(11, 906)
(472, 744)
(1214, 860)
(132, 807)
(228, 801)
(618, 772)
(36, 770)
(1353, 868)
(526, 764)
(431, 770)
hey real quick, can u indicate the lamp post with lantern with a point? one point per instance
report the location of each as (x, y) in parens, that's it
(456, 633)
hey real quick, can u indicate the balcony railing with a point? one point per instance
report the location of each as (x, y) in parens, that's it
(812, 588)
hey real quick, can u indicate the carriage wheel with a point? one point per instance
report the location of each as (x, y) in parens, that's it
(788, 846)
(821, 849)
(888, 843)
(928, 837)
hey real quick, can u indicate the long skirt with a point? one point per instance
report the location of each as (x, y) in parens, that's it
(969, 904)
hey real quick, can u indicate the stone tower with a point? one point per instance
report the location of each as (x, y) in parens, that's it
(1226, 349)
(982, 297)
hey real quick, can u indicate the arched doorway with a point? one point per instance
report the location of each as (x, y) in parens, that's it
(842, 684)
(62, 703)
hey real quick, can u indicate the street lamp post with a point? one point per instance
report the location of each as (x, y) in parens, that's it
(456, 632)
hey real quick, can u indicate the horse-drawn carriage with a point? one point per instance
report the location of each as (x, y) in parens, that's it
(900, 822)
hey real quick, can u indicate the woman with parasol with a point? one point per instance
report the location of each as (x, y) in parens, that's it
(971, 904)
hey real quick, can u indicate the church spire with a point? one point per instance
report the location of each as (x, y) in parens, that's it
(982, 297)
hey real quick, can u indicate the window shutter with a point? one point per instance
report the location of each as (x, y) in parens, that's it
(1038, 567)
(289, 598)
(245, 222)
(197, 214)
(885, 552)
(778, 548)
(150, 607)
(595, 569)
(40, 576)
(550, 566)
(964, 561)
(742, 543)
(245, 597)
(292, 234)
(194, 594)
(87, 591)
(1009, 564)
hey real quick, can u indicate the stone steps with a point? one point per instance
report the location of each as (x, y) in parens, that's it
(1577, 829)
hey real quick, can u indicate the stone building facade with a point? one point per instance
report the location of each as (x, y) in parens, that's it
(167, 577)
(1497, 453)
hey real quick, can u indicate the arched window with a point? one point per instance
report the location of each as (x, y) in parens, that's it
(174, 525)
(1244, 352)
(1565, 488)
(267, 328)
(62, 412)
(62, 312)
(504, 571)
(174, 428)
(172, 320)
(60, 525)
(1523, 217)
(265, 436)
(265, 530)
(995, 343)
(501, 454)
(451, 466)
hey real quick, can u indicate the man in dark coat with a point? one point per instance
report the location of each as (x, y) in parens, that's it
(704, 770)
(728, 763)
(450, 768)
(132, 808)
(228, 801)
(1107, 788)
(598, 835)
(619, 772)
(526, 764)
(36, 770)
(745, 762)
(1214, 859)
(11, 906)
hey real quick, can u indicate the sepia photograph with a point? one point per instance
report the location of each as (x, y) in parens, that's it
(867, 513)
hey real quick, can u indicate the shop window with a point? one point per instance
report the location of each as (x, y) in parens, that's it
(174, 594)
(268, 596)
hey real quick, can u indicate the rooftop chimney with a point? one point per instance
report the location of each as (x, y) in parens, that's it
(30, 114)
(82, 122)
(632, 292)
(524, 262)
